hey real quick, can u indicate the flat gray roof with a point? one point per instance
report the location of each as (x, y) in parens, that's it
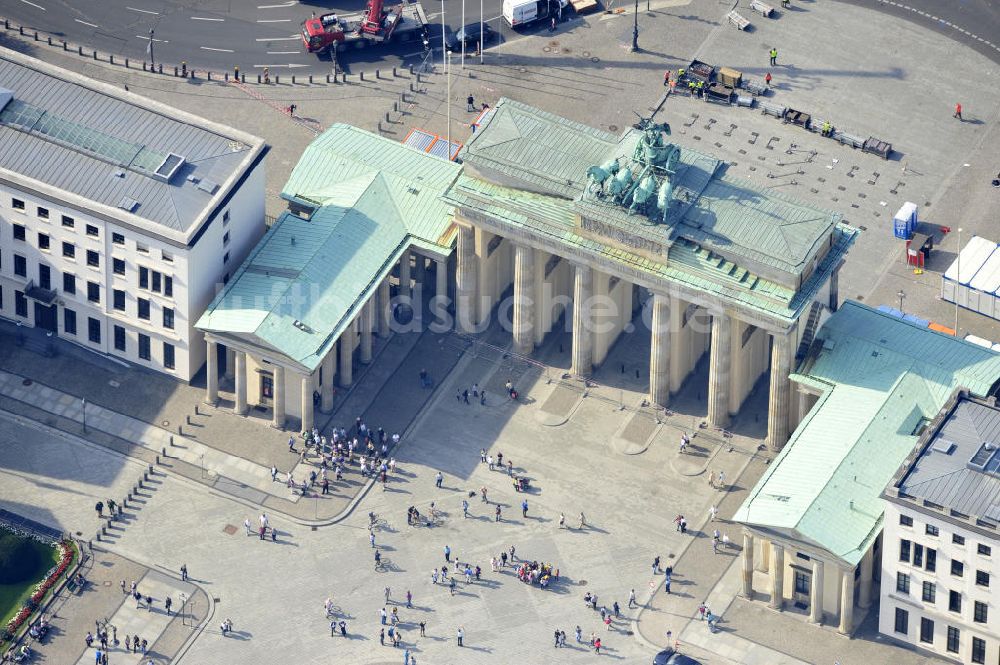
(148, 164)
(959, 469)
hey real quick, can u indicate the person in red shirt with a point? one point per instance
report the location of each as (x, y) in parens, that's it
(666, 78)
(958, 111)
(767, 79)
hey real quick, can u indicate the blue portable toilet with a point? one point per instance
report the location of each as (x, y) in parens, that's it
(905, 221)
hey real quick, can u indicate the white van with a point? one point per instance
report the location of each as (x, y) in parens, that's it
(522, 12)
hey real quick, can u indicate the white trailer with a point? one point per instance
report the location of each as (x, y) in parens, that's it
(975, 263)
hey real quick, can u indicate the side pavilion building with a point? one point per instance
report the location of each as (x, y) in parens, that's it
(580, 221)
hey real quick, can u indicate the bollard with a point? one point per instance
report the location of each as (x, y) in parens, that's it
(395, 107)
(187, 418)
(164, 452)
(362, 76)
(104, 530)
(393, 72)
(227, 77)
(243, 78)
(50, 40)
(79, 50)
(236, 72)
(378, 74)
(36, 35)
(175, 68)
(65, 45)
(143, 65)
(145, 476)
(160, 68)
(6, 24)
(258, 78)
(418, 77)
(150, 469)
(126, 63)
(310, 79)
(276, 77)
(209, 75)
(157, 459)
(184, 68)
(95, 54)
(180, 430)
(171, 440)
(90, 545)
(387, 117)
(293, 79)
(20, 29)
(111, 59)
(327, 78)
(411, 70)
(97, 537)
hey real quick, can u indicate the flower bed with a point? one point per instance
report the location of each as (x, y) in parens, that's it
(67, 553)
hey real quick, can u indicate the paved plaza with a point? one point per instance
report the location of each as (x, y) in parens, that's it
(593, 449)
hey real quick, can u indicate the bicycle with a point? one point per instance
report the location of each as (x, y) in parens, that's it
(375, 522)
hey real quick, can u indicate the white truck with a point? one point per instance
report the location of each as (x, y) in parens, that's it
(522, 12)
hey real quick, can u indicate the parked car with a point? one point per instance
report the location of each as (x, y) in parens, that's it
(471, 36)
(670, 657)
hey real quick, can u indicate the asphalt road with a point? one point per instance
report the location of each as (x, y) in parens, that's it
(222, 34)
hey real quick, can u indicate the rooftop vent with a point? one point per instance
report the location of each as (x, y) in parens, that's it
(943, 446)
(208, 186)
(128, 204)
(168, 167)
(301, 326)
(986, 459)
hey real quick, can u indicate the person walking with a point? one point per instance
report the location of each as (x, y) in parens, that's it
(447, 554)
(452, 585)
(423, 627)
(562, 520)
(583, 520)
(184, 572)
(631, 599)
(381, 636)
(722, 480)
(438, 479)
(767, 79)
(409, 599)
(246, 523)
(713, 513)
(371, 538)
(711, 478)
(556, 645)
(274, 473)
(958, 111)
(774, 56)
(470, 106)
(524, 508)
(388, 593)
(461, 636)
(597, 646)
(498, 513)
(666, 78)
(482, 455)
(383, 615)
(465, 508)
(616, 609)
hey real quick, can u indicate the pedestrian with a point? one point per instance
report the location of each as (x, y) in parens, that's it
(388, 593)
(774, 56)
(562, 520)
(583, 520)
(713, 512)
(409, 599)
(447, 554)
(616, 608)
(128, 643)
(423, 626)
(383, 615)
(510, 468)
(656, 564)
(685, 440)
(451, 586)
(552, 26)
(767, 79)
(184, 572)
(489, 461)
(371, 538)
(482, 455)
(470, 106)
(556, 645)
(168, 602)
(482, 398)
(722, 480)
(670, 634)
(434, 576)
(465, 393)
(958, 114)
(406, 657)
(666, 78)
(482, 494)
(503, 559)
(465, 508)
(666, 584)
(99, 507)
(711, 478)
(631, 599)
(524, 508)
(498, 513)
(438, 479)
(461, 636)
(291, 444)
(274, 473)
(607, 623)
(562, 638)
(381, 636)
(597, 645)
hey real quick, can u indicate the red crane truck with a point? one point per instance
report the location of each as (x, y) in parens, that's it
(376, 25)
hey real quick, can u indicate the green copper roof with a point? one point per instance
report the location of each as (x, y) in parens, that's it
(880, 376)
(306, 280)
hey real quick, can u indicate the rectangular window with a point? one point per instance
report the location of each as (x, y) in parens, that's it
(17, 204)
(69, 250)
(904, 550)
(143, 277)
(905, 520)
(926, 630)
(957, 568)
(93, 259)
(69, 321)
(43, 213)
(982, 578)
(168, 286)
(225, 239)
(143, 309)
(954, 636)
(142, 249)
(144, 346)
(930, 592)
(19, 232)
(978, 650)
(931, 530)
(225, 217)
(94, 330)
(119, 300)
(918, 555)
(118, 266)
(225, 258)
(931, 560)
(955, 601)
(957, 539)
(157, 282)
(980, 612)
(902, 583)
(801, 582)
(20, 304)
(168, 355)
(119, 339)
(20, 266)
(43, 241)
(168, 318)
(117, 238)
(902, 619)
(44, 276)
(92, 231)
(985, 550)
(68, 222)
(93, 292)
(167, 257)
(69, 283)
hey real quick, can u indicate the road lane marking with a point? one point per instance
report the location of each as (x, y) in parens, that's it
(283, 52)
(284, 4)
(209, 48)
(274, 20)
(204, 18)
(34, 5)
(158, 41)
(275, 66)
(92, 25)
(277, 39)
(144, 11)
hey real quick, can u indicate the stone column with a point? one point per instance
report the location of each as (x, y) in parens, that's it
(583, 343)
(346, 345)
(441, 278)
(278, 417)
(329, 370)
(659, 352)
(404, 274)
(777, 576)
(748, 565)
(307, 403)
(465, 279)
(778, 400)
(384, 309)
(816, 592)
(524, 303)
(230, 363)
(366, 323)
(240, 408)
(718, 370)
(846, 601)
(211, 373)
(677, 343)
(865, 592)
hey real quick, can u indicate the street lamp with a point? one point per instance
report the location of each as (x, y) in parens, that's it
(84, 402)
(152, 60)
(901, 295)
(635, 29)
